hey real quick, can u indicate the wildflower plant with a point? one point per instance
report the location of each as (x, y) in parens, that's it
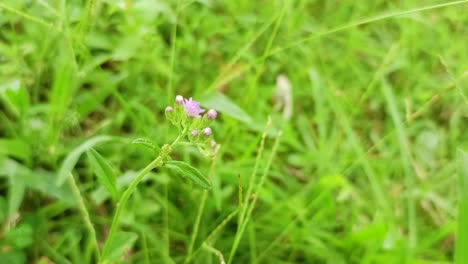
(193, 124)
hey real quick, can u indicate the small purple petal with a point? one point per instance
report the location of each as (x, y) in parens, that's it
(194, 133)
(212, 114)
(207, 131)
(193, 108)
(169, 109)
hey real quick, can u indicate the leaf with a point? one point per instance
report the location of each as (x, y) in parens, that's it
(20, 236)
(15, 195)
(3, 209)
(72, 158)
(15, 97)
(39, 180)
(121, 242)
(185, 170)
(147, 143)
(461, 245)
(13, 256)
(103, 171)
(224, 105)
(15, 148)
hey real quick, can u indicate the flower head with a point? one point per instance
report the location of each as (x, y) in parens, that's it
(179, 99)
(207, 131)
(212, 114)
(194, 133)
(193, 108)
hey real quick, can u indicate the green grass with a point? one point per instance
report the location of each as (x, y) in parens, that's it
(371, 168)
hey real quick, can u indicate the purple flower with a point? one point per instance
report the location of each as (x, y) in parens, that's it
(193, 108)
(169, 109)
(179, 99)
(212, 114)
(207, 131)
(194, 133)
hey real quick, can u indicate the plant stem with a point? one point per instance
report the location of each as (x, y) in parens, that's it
(128, 192)
(85, 214)
(196, 226)
(199, 216)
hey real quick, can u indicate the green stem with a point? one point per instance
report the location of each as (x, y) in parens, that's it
(199, 216)
(196, 226)
(85, 214)
(128, 192)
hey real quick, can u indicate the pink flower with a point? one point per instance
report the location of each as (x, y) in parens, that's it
(193, 108)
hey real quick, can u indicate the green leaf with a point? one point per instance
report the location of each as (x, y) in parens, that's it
(15, 195)
(15, 148)
(224, 105)
(461, 252)
(3, 209)
(20, 236)
(39, 180)
(72, 158)
(121, 242)
(15, 96)
(185, 170)
(147, 143)
(13, 256)
(103, 171)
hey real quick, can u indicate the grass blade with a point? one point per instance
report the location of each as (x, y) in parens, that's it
(72, 158)
(461, 247)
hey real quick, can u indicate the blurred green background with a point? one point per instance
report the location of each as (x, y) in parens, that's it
(368, 168)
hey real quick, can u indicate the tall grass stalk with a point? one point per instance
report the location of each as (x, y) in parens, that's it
(251, 206)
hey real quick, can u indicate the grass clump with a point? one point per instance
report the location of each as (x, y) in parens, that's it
(363, 159)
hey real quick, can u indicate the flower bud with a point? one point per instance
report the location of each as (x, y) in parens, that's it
(179, 99)
(207, 131)
(212, 114)
(213, 143)
(194, 133)
(169, 109)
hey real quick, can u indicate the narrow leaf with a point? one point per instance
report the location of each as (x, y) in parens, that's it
(16, 148)
(226, 106)
(72, 158)
(185, 170)
(40, 180)
(461, 246)
(103, 171)
(122, 242)
(147, 143)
